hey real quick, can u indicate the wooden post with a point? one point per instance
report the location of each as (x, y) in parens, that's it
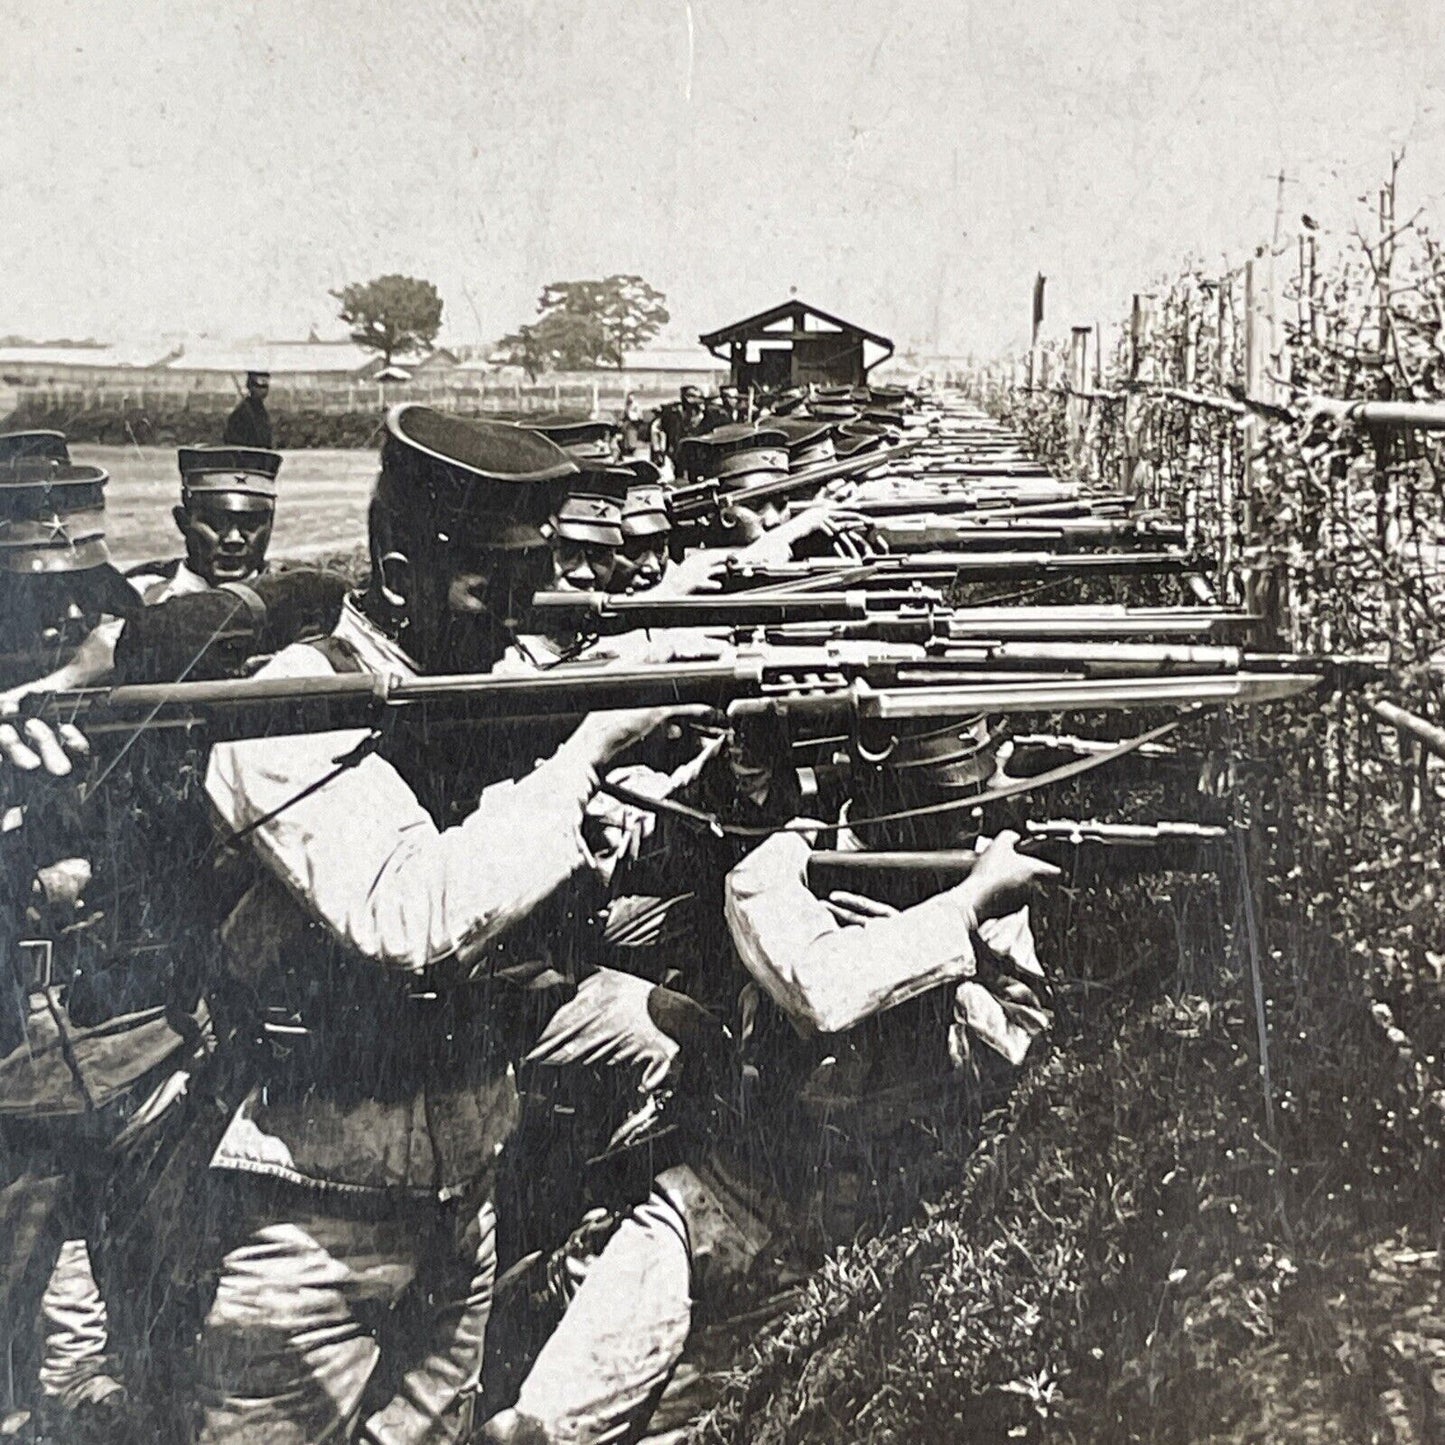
(1135, 474)
(1076, 408)
(1224, 373)
(1261, 584)
(1036, 321)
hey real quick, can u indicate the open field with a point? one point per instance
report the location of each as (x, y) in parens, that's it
(322, 507)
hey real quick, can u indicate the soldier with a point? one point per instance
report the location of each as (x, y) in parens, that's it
(225, 516)
(689, 416)
(376, 966)
(730, 402)
(646, 530)
(227, 507)
(587, 530)
(68, 1080)
(802, 1156)
(249, 425)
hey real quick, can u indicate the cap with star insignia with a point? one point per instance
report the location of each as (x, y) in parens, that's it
(52, 513)
(246, 471)
(592, 509)
(644, 511)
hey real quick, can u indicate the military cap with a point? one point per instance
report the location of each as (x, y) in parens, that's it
(583, 439)
(247, 471)
(889, 396)
(52, 515)
(834, 410)
(592, 509)
(644, 512)
(45, 445)
(951, 759)
(810, 440)
(492, 482)
(850, 443)
(744, 453)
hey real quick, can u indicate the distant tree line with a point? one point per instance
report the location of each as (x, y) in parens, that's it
(580, 325)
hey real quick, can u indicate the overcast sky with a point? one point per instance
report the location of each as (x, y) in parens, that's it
(217, 167)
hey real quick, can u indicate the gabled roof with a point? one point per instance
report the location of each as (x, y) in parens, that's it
(754, 328)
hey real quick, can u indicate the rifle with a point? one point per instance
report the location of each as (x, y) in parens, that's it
(916, 615)
(994, 509)
(792, 682)
(708, 500)
(919, 534)
(891, 569)
(993, 502)
(896, 876)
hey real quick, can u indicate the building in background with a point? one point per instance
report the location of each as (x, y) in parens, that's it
(796, 344)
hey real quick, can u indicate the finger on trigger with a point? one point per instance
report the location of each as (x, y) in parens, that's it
(47, 745)
(75, 742)
(15, 751)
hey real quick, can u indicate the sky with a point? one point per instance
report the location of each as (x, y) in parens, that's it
(168, 166)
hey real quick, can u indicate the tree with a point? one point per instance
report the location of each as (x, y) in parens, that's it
(391, 314)
(582, 325)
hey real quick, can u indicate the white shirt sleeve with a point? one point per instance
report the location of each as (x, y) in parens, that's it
(824, 976)
(364, 858)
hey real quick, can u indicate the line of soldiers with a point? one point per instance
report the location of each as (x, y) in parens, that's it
(405, 1085)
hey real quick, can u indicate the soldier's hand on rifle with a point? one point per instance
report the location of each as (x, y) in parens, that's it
(33, 746)
(601, 736)
(1003, 878)
(847, 530)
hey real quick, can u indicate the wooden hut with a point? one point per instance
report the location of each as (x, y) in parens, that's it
(794, 344)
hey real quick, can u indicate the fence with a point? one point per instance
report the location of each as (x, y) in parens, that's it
(164, 392)
(1291, 411)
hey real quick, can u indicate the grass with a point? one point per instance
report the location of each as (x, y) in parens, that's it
(1139, 1250)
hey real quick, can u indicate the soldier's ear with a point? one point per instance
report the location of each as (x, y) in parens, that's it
(183, 519)
(394, 579)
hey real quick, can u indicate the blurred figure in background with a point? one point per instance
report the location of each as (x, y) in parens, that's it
(634, 437)
(250, 424)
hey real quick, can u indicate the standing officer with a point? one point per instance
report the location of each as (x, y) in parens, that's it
(731, 403)
(379, 971)
(249, 425)
(689, 416)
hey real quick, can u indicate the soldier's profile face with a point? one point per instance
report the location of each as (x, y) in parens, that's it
(646, 558)
(584, 566)
(465, 612)
(226, 535)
